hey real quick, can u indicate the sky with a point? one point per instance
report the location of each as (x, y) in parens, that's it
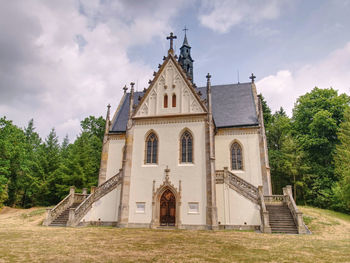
(61, 61)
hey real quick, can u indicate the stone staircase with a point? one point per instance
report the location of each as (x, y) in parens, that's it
(74, 206)
(279, 213)
(62, 219)
(281, 219)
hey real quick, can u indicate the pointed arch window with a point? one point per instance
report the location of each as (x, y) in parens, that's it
(151, 149)
(236, 157)
(174, 100)
(165, 101)
(186, 147)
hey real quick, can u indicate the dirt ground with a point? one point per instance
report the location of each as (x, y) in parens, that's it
(23, 239)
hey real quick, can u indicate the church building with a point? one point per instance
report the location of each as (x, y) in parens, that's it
(180, 156)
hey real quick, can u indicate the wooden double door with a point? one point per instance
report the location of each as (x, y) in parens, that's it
(167, 209)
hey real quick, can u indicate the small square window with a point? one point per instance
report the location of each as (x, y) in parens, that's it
(140, 207)
(193, 208)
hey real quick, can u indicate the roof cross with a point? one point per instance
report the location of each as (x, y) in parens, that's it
(185, 29)
(125, 89)
(252, 77)
(171, 37)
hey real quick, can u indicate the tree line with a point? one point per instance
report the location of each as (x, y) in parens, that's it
(36, 172)
(310, 151)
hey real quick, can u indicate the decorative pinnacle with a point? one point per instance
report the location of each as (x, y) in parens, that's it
(252, 77)
(167, 170)
(132, 86)
(108, 106)
(125, 89)
(208, 76)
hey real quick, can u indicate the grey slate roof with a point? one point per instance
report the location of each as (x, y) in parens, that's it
(233, 106)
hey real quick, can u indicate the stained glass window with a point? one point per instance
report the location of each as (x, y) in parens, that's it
(151, 148)
(236, 157)
(186, 147)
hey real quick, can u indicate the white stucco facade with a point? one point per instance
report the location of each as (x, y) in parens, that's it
(170, 107)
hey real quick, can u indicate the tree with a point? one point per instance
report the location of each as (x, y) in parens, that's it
(277, 132)
(94, 126)
(266, 110)
(14, 166)
(316, 119)
(342, 166)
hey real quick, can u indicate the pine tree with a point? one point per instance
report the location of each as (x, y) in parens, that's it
(342, 166)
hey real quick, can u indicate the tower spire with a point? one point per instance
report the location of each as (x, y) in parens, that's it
(185, 39)
(185, 58)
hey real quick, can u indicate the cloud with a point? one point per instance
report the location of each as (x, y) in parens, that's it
(222, 15)
(283, 88)
(61, 61)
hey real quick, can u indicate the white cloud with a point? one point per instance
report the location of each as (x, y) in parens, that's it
(222, 15)
(49, 76)
(283, 88)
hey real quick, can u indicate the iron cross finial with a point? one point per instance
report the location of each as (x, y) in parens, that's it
(252, 77)
(185, 29)
(125, 89)
(208, 76)
(171, 37)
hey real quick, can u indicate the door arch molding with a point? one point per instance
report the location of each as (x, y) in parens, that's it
(156, 196)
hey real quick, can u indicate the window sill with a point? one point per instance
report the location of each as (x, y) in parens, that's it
(193, 213)
(186, 164)
(238, 171)
(150, 165)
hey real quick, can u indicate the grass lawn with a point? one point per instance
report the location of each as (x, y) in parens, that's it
(22, 239)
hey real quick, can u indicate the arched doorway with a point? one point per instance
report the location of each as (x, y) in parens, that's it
(167, 209)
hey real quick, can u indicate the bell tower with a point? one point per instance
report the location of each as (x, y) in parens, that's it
(185, 58)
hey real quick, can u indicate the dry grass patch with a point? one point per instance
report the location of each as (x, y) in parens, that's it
(22, 239)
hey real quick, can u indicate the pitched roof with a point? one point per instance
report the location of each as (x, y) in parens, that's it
(233, 106)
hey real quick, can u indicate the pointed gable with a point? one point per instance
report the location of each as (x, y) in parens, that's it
(170, 93)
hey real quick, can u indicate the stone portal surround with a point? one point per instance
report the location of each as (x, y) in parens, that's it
(156, 195)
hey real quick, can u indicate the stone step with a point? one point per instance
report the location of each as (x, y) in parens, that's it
(284, 228)
(62, 219)
(281, 219)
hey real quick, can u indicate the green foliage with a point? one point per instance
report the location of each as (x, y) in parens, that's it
(316, 119)
(342, 166)
(311, 150)
(266, 110)
(35, 172)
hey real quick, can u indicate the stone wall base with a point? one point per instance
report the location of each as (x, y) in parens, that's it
(183, 226)
(99, 223)
(240, 227)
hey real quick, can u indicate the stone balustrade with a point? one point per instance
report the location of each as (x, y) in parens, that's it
(240, 185)
(297, 215)
(274, 199)
(76, 214)
(52, 214)
(265, 220)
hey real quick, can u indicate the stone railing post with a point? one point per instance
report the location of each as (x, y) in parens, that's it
(84, 191)
(266, 228)
(225, 174)
(72, 190)
(301, 227)
(93, 188)
(47, 220)
(71, 217)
